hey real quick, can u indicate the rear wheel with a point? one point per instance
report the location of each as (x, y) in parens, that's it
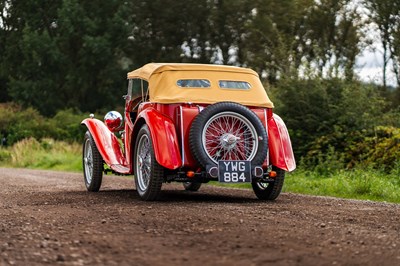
(148, 173)
(270, 191)
(92, 164)
(191, 186)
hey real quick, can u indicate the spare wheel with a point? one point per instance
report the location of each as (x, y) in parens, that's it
(228, 131)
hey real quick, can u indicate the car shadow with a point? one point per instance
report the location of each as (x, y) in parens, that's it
(176, 196)
(168, 195)
(200, 196)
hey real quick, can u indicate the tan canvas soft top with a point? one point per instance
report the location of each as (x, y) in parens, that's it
(163, 84)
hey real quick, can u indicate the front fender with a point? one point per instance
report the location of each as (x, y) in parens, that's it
(164, 137)
(107, 144)
(280, 146)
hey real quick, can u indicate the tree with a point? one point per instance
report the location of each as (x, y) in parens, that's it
(292, 38)
(333, 38)
(386, 15)
(65, 54)
(70, 53)
(4, 30)
(158, 33)
(395, 43)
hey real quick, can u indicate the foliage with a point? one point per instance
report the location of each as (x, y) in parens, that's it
(336, 123)
(66, 54)
(377, 148)
(44, 154)
(17, 124)
(292, 38)
(75, 54)
(309, 108)
(359, 183)
(65, 125)
(5, 155)
(385, 14)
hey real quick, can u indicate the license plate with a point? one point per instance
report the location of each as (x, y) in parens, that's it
(234, 171)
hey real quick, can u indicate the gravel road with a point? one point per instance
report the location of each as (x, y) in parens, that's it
(48, 218)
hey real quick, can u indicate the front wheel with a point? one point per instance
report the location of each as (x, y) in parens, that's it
(270, 191)
(148, 173)
(92, 164)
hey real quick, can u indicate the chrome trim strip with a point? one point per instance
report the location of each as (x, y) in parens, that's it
(266, 128)
(182, 137)
(265, 118)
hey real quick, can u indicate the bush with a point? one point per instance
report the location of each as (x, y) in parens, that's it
(324, 163)
(17, 124)
(66, 125)
(336, 123)
(5, 155)
(378, 148)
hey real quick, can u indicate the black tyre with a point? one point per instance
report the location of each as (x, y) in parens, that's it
(148, 173)
(228, 131)
(92, 164)
(270, 191)
(191, 186)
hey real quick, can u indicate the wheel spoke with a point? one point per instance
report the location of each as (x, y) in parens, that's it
(92, 164)
(88, 161)
(144, 163)
(229, 136)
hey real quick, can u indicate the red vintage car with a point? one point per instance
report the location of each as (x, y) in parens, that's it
(191, 123)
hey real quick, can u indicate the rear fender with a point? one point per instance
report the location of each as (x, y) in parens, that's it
(107, 144)
(280, 146)
(164, 138)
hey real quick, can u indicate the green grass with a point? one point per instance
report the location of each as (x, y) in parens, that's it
(363, 184)
(367, 184)
(46, 154)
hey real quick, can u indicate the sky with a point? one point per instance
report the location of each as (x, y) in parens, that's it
(369, 66)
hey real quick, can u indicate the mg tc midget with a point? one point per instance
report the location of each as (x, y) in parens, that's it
(191, 123)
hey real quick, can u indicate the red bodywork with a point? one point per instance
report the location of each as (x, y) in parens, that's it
(280, 146)
(169, 126)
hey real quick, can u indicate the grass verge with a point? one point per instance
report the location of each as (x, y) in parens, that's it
(365, 184)
(45, 154)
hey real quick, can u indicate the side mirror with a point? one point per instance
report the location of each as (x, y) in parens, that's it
(114, 121)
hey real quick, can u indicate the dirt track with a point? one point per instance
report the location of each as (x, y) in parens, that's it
(48, 218)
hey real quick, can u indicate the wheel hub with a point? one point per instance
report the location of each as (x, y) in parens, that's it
(229, 141)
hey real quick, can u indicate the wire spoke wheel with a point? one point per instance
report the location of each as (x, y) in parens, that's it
(228, 131)
(191, 186)
(88, 161)
(143, 160)
(270, 191)
(149, 175)
(92, 163)
(229, 136)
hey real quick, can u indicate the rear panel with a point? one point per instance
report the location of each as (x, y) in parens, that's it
(185, 116)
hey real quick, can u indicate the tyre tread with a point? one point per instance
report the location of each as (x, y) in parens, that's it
(98, 165)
